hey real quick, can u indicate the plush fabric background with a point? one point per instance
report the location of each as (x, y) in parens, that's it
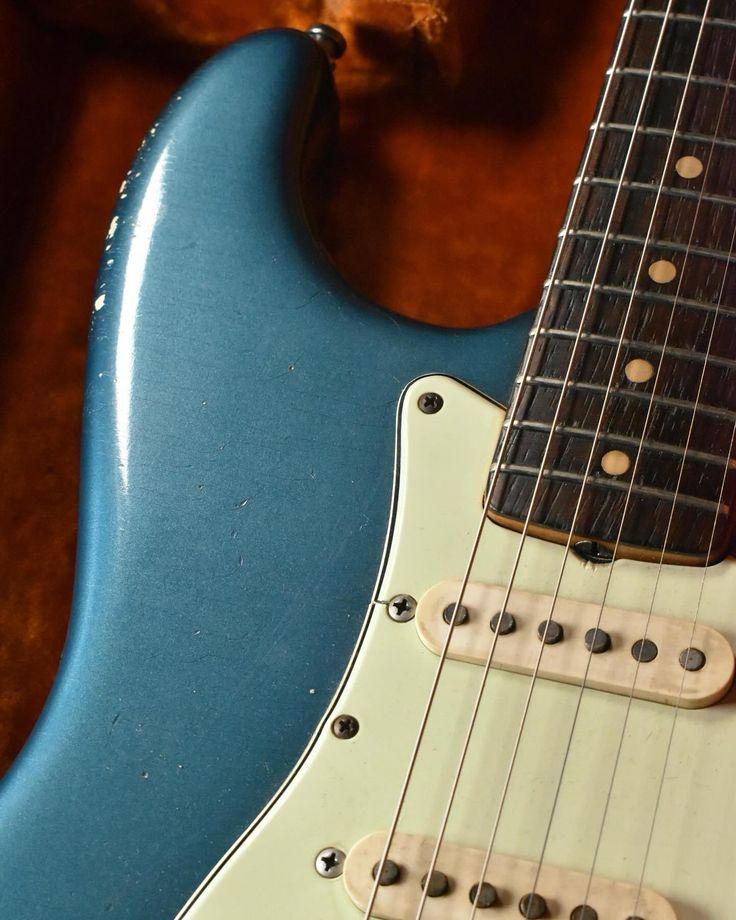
(463, 122)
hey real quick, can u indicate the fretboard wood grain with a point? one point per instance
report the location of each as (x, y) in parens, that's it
(601, 310)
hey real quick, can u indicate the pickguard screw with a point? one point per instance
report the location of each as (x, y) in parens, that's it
(597, 641)
(390, 873)
(430, 403)
(329, 862)
(692, 659)
(401, 608)
(554, 632)
(345, 727)
(438, 885)
(462, 614)
(643, 650)
(584, 912)
(487, 897)
(532, 906)
(504, 623)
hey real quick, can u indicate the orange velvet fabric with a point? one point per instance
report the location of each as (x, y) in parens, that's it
(458, 148)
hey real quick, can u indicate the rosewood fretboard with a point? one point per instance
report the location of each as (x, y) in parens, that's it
(624, 414)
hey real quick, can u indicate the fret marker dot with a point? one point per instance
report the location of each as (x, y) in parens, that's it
(662, 271)
(615, 463)
(688, 167)
(639, 370)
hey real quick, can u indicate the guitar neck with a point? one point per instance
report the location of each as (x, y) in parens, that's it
(622, 423)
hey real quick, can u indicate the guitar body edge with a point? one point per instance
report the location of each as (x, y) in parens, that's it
(238, 444)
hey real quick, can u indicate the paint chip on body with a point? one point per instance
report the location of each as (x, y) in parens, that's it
(113, 227)
(100, 302)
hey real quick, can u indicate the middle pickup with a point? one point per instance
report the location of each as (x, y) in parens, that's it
(620, 651)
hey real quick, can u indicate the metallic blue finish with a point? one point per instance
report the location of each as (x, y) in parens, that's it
(238, 452)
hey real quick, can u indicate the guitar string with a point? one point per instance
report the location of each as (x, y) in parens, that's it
(701, 591)
(494, 475)
(514, 570)
(711, 337)
(685, 673)
(584, 682)
(583, 685)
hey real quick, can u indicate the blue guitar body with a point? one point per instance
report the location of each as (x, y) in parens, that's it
(237, 474)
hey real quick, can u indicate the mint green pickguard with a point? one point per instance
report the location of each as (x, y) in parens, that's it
(343, 790)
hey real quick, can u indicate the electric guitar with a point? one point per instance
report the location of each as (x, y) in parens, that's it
(537, 717)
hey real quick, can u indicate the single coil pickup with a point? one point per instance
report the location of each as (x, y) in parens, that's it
(626, 652)
(509, 889)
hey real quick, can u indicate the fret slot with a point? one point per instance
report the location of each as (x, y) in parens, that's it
(556, 383)
(611, 341)
(653, 296)
(697, 456)
(695, 79)
(664, 132)
(691, 501)
(718, 22)
(648, 187)
(668, 245)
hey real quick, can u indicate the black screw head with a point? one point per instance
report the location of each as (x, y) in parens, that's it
(584, 912)
(438, 885)
(345, 726)
(487, 896)
(532, 906)
(430, 403)
(590, 551)
(550, 632)
(390, 874)
(643, 650)
(503, 623)
(462, 614)
(692, 659)
(597, 641)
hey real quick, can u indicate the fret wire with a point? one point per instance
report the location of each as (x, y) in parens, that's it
(537, 380)
(653, 296)
(684, 17)
(694, 137)
(700, 456)
(698, 79)
(668, 191)
(702, 251)
(622, 485)
(596, 338)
